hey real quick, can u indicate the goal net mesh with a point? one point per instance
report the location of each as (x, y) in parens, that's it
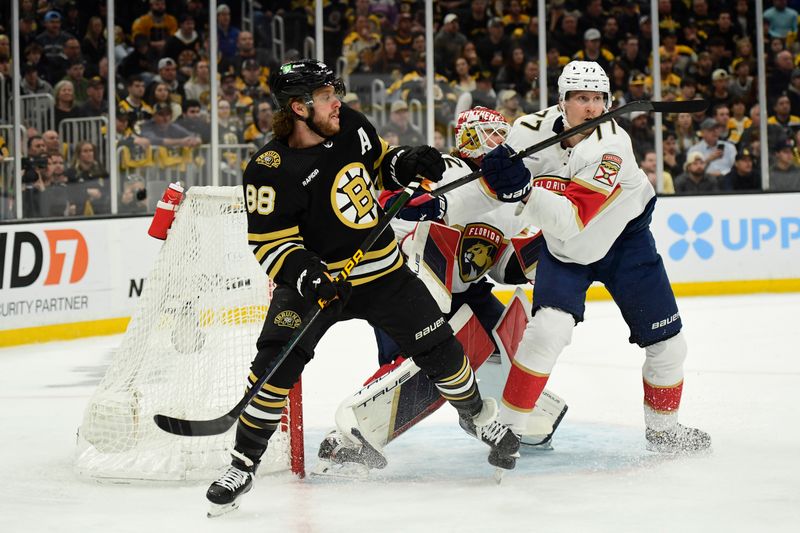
(186, 353)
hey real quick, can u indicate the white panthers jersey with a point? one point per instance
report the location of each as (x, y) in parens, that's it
(486, 226)
(535, 128)
(584, 196)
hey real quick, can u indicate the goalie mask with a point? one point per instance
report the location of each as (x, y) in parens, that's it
(479, 130)
(583, 76)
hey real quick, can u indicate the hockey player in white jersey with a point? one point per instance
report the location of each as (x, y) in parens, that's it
(594, 210)
(466, 237)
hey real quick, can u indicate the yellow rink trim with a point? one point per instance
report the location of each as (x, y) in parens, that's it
(63, 332)
(706, 288)
(113, 326)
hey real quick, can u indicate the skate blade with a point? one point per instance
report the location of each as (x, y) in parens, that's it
(216, 509)
(680, 452)
(498, 475)
(325, 468)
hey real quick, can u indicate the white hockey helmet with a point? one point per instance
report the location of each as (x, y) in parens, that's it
(475, 128)
(583, 76)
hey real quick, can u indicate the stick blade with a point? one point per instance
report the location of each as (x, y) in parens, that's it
(683, 106)
(195, 428)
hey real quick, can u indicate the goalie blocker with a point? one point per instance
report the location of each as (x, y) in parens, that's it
(397, 398)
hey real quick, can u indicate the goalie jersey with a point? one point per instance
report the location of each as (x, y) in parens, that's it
(583, 196)
(482, 231)
(319, 202)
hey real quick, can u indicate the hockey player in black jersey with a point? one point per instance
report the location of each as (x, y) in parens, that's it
(311, 201)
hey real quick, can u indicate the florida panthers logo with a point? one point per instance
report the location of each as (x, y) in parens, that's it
(479, 248)
(353, 197)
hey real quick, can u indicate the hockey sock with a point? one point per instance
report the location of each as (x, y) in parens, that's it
(522, 390)
(461, 390)
(662, 375)
(546, 336)
(260, 420)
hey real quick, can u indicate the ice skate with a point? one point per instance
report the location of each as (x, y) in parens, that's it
(341, 457)
(224, 493)
(485, 427)
(679, 440)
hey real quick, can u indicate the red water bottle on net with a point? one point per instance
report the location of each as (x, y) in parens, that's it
(165, 211)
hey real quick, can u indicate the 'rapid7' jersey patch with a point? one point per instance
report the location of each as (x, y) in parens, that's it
(608, 169)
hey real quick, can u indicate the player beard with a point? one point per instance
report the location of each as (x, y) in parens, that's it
(328, 127)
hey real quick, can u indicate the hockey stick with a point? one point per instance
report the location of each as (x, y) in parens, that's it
(217, 426)
(687, 106)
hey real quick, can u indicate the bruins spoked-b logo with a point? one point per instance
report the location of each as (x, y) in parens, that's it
(353, 197)
(479, 248)
(288, 319)
(269, 159)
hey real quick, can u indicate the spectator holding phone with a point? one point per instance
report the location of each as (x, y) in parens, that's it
(719, 155)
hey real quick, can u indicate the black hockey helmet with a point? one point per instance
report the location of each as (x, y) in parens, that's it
(299, 79)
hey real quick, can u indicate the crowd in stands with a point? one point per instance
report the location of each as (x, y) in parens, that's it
(485, 53)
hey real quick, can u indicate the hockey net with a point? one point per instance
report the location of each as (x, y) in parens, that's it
(186, 353)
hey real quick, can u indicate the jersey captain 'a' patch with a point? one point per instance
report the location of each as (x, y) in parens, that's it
(608, 169)
(353, 197)
(479, 248)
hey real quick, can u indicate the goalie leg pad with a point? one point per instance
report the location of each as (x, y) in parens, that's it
(395, 401)
(431, 252)
(339, 449)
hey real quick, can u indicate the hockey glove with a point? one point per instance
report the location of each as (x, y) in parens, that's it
(421, 206)
(508, 179)
(316, 285)
(425, 161)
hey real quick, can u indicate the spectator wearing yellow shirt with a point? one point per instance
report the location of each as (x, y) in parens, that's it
(260, 131)
(683, 55)
(156, 24)
(251, 83)
(593, 51)
(670, 82)
(362, 37)
(783, 116)
(515, 19)
(739, 121)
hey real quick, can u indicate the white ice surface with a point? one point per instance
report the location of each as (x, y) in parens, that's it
(742, 385)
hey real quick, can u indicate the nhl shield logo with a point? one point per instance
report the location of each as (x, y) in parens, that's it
(479, 248)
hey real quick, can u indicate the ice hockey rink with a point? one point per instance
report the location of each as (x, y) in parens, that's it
(742, 385)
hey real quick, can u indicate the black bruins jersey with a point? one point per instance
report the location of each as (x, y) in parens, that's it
(319, 202)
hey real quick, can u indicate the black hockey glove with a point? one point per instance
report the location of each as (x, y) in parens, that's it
(421, 206)
(425, 161)
(316, 285)
(508, 178)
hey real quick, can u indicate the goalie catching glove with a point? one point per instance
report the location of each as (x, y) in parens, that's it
(316, 285)
(507, 178)
(406, 163)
